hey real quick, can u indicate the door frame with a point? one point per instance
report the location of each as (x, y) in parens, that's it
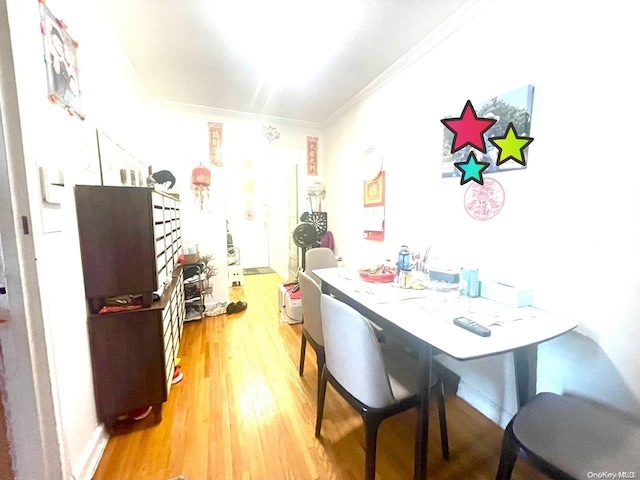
(36, 449)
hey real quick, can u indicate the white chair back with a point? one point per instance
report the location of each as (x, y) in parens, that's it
(353, 354)
(311, 315)
(319, 257)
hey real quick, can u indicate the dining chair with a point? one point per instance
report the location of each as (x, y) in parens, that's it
(569, 438)
(311, 321)
(323, 257)
(319, 257)
(378, 380)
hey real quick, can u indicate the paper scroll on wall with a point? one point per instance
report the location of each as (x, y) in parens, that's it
(373, 216)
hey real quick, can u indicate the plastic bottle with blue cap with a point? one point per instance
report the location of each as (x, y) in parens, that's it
(404, 267)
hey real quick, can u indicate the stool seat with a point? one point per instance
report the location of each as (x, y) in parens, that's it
(570, 437)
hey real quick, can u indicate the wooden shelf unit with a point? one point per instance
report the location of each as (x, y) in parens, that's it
(130, 239)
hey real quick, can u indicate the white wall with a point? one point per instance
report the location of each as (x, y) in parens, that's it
(570, 225)
(181, 143)
(113, 102)
(24, 367)
(53, 138)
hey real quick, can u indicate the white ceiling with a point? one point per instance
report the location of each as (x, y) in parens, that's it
(182, 50)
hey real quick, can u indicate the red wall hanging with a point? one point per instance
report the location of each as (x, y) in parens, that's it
(200, 181)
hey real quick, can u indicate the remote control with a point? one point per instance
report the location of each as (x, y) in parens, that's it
(473, 327)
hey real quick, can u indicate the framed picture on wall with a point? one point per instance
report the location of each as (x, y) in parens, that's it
(511, 107)
(88, 155)
(108, 174)
(374, 191)
(61, 60)
(373, 214)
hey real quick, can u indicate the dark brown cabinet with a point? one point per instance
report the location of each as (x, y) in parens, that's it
(130, 242)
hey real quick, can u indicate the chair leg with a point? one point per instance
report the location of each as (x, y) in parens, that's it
(321, 362)
(444, 436)
(320, 407)
(371, 425)
(509, 454)
(303, 349)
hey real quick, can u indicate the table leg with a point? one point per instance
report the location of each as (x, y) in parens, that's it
(422, 433)
(525, 362)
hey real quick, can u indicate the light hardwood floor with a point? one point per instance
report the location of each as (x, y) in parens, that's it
(242, 412)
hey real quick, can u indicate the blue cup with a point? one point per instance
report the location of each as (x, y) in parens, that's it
(469, 282)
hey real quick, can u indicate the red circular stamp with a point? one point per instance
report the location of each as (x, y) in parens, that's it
(483, 202)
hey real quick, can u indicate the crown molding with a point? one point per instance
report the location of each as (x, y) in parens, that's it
(449, 26)
(192, 109)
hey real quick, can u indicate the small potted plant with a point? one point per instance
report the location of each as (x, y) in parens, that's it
(209, 271)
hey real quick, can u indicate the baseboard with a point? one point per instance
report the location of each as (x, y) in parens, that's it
(95, 449)
(484, 405)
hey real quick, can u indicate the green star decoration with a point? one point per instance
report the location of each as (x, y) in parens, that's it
(471, 169)
(511, 146)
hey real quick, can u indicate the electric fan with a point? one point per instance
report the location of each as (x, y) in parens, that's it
(305, 236)
(318, 220)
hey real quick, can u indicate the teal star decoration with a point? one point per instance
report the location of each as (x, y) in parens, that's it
(472, 169)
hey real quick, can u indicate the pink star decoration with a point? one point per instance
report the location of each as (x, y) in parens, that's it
(468, 129)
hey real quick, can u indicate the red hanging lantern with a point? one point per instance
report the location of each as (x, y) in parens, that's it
(200, 181)
(201, 176)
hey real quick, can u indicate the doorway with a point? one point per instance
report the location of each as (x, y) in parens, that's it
(283, 205)
(6, 468)
(262, 209)
(6, 464)
(248, 211)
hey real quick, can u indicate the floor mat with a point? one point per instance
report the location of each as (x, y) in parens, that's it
(257, 271)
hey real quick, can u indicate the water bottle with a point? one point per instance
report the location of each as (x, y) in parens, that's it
(404, 259)
(404, 267)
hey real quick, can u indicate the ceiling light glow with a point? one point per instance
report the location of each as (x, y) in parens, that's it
(287, 41)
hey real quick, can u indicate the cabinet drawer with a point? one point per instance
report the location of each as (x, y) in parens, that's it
(180, 329)
(169, 343)
(161, 263)
(181, 312)
(170, 355)
(158, 214)
(160, 247)
(166, 319)
(159, 230)
(128, 361)
(169, 368)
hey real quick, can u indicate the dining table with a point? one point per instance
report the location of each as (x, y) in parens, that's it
(423, 316)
